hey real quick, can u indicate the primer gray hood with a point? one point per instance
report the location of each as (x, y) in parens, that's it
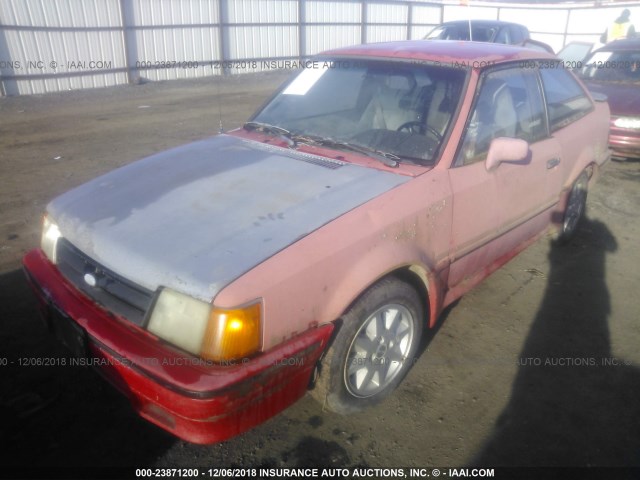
(196, 217)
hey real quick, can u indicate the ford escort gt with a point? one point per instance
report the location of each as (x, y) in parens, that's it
(217, 282)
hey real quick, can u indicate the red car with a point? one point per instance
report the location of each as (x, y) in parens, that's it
(217, 282)
(614, 71)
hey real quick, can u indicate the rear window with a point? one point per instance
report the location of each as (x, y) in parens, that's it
(479, 33)
(566, 100)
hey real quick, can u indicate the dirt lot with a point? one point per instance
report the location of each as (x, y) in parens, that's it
(539, 365)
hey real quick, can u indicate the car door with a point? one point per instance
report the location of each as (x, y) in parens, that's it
(528, 190)
(567, 103)
(497, 210)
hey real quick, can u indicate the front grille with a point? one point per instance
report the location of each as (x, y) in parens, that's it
(116, 294)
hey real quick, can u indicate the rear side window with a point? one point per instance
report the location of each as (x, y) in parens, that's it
(504, 36)
(566, 101)
(517, 35)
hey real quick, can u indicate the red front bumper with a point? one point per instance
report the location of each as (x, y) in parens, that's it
(195, 400)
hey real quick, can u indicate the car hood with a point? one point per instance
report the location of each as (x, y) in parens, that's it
(624, 100)
(196, 217)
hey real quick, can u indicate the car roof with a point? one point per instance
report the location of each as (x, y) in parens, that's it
(443, 51)
(624, 44)
(493, 23)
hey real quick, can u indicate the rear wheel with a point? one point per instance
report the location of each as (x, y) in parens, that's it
(576, 205)
(374, 348)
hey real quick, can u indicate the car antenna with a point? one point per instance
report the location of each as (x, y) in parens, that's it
(221, 129)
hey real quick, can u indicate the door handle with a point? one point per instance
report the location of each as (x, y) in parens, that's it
(554, 162)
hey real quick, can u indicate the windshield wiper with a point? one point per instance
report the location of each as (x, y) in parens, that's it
(389, 159)
(282, 133)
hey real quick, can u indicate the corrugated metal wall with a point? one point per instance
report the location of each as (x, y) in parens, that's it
(331, 24)
(47, 46)
(387, 22)
(162, 32)
(53, 45)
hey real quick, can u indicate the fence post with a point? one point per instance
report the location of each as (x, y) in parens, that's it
(409, 20)
(302, 29)
(566, 28)
(8, 84)
(129, 41)
(223, 35)
(363, 22)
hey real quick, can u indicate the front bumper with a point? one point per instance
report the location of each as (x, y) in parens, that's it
(195, 400)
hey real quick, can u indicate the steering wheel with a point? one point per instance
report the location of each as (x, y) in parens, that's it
(416, 126)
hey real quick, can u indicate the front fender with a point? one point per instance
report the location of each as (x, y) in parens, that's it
(373, 266)
(316, 279)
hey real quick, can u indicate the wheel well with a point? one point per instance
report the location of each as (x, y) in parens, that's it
(406, 274)
(590, 169)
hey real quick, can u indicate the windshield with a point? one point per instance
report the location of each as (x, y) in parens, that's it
(607, 66)
(396, 110)
(575, 52)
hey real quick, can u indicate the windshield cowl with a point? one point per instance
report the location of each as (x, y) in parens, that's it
(331, 153)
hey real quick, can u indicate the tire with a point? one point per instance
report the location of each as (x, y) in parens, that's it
(576, 206)
(374, 348)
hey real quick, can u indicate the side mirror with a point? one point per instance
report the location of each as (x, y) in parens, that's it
(504, 149)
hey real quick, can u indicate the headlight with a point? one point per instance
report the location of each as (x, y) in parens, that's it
(50, 235)
(629, 123)
(179, 319)
(209, 332)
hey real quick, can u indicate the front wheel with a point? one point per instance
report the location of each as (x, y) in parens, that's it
(374, 348)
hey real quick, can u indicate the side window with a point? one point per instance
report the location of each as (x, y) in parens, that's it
(503, 36)
(566, 101)
(509, 105)
(532, 122)
(517, 35)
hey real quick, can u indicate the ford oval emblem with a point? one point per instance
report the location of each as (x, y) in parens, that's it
(90, 280)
